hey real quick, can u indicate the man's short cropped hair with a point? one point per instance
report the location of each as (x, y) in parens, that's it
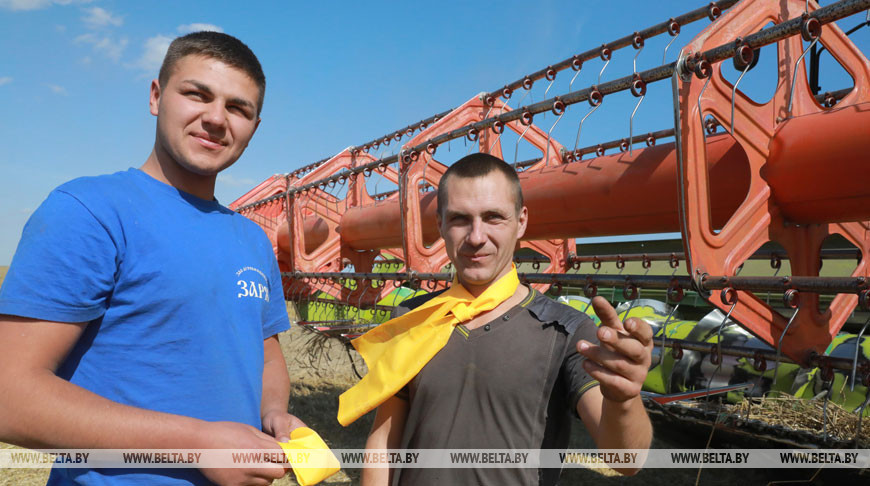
(480, 165)
(216, 45)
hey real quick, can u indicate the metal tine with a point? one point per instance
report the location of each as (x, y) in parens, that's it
(777, 267)
(665, 332)
(517, 145)
(312, 194)
(631, 125)
(298, 293)
(501, 110)
(794, 73)
(734, 92)
(345, 186)
(377, 181)
(318, 304)
(396, 296)
(304, 294)
(327, 201)
(381, 288)
(528, 90)
(547, 155)
(544, 114)
(328, 192)
(306, 299)
(701, 113)
(579, 128)
(673, 38)
(664, 338)
(487, 116)
(290, 294)
(830, 391)
(359, 302)
(488, 111)
(602, 70)
(779, 344)
(426, 166)
(857, 351)
(347, 191)
(726, 294)
(549, 86)
(570, 89)
(631, 119)
(633, 301)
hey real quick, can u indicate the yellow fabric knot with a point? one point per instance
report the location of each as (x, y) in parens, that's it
(462, 312)
(398, 349)
(310, 457)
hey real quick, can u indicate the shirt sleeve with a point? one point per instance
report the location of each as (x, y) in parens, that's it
(65, 265)
(277, 319)
(577, 380)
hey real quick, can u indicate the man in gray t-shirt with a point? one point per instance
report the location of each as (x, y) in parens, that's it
(512, 377)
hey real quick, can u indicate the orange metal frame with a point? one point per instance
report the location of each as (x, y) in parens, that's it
(800, 173)
(760, 218)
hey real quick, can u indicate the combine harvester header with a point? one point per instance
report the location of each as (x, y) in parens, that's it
(737, 175)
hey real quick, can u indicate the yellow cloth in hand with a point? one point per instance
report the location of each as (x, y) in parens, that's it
(310, 457)
(398, 349)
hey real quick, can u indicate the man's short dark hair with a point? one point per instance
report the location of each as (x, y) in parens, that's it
(480, 165)
(216, 45)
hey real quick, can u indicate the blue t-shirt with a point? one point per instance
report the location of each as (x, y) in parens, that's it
(179, 294)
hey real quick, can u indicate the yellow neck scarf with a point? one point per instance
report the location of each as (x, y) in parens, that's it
(398, 349)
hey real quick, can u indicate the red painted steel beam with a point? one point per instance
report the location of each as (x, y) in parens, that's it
(814, 170)
(825, 184)
(611, 195)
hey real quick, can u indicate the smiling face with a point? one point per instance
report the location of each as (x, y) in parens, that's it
(480, 225)
(206, 115)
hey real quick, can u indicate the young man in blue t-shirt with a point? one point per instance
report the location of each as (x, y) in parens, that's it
(140, 313)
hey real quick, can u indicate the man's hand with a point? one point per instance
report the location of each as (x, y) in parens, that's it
(279, 424)
(621, 362)
(231, 435)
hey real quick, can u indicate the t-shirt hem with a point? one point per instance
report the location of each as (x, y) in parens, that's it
(577, 394)
(276, 327)
(41, 312)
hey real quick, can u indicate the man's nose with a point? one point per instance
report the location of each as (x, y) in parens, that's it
(214, 115)
(477, 235)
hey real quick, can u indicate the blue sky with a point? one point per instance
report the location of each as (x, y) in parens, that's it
(74, 77)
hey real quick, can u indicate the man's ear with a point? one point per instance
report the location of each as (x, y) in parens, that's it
(523, 220)
(154, 98)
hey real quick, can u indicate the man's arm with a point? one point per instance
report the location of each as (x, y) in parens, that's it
(276, 393)
(39, 409)
(615, 425)
(613, 412)
(386, 434)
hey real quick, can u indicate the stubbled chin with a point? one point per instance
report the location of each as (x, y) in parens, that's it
(476, 276)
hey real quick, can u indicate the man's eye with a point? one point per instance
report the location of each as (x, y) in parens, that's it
(239, 111)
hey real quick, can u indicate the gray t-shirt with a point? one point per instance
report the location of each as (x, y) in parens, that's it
(513, 383)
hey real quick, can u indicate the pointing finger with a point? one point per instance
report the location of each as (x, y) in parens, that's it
(606, 313)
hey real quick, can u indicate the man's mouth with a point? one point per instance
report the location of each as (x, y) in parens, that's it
(208, 142)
